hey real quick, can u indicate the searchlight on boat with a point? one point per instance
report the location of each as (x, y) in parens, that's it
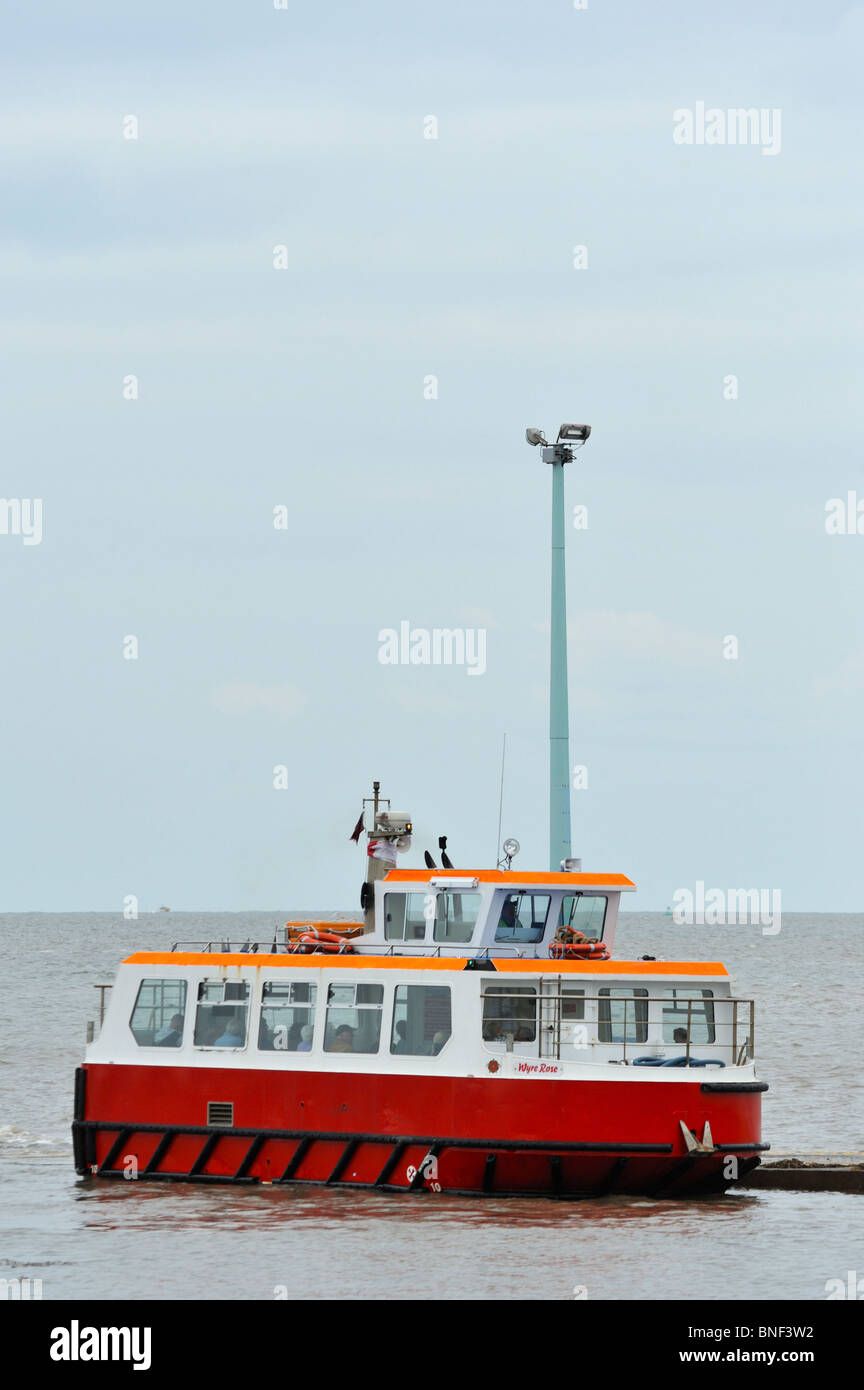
(511, 848)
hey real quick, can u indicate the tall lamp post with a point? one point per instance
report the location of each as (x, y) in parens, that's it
(570, 438)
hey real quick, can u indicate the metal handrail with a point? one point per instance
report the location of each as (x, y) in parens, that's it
(387, 948)
(739, 1055)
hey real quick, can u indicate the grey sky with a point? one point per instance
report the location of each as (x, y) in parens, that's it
(409, 257)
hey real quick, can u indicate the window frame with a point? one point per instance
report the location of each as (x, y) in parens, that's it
(577, 898)
(446, 989)
(640, 1015)
(705, 997)
(162, 980)
(244, 1002)
(514, 940)
(572, 994)
(405, 900)
(357, 1006)
(275, 1003)
(448, 897)
(512, 994)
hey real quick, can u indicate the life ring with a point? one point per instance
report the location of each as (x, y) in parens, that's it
(326, 941)
(578, 950)
(297, 929)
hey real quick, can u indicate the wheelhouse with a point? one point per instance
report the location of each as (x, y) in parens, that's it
(499, 912)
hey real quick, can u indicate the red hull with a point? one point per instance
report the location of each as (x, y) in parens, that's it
(552, 1137)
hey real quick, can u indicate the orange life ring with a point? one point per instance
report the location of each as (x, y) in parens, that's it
(582, 950)
(330, 931)
(316, 940)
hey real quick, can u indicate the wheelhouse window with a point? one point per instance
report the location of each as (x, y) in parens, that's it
(222, 1013)
(584, 913)
(701, 1016)
(159, 1012)
(421, 1020)
(353, 1021)
(456, 916)
(509, 1014)
(623, 1015)
(287, 1018)
(522, 917)
(405, 915)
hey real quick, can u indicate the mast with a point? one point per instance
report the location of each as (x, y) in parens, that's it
(560, 842)
(570, 438)
(390, 834)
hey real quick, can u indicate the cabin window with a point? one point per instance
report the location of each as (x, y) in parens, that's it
(522, 917)
(221, 1017)
(160, 1008)
(405, 915)
(583, 913)
(623, 1015)
(701, 1016)
(572, 1005)
(421, 1020)
(456, 917)
(509, 1011)
(287, 1017)
(353, 1018)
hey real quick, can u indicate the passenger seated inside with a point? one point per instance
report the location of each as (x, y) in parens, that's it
(511, 1030)
(400, 1042)
(172, 1036)
(679, 1035)
(234, 1035)
(305, 1043)
(342, 1040)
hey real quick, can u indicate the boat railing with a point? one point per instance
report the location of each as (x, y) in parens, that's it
(224, 946)
(631, 1025)
(438, 948)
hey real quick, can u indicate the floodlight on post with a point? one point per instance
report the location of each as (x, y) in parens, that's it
(576, 434)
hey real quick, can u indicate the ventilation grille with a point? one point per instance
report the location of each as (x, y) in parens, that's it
(220, 1112)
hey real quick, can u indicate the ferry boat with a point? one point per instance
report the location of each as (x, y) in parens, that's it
(471, 1033)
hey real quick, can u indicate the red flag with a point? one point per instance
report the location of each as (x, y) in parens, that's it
(384, 850)
(358, 830)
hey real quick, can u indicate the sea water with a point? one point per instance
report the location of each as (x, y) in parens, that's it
(91, 1238)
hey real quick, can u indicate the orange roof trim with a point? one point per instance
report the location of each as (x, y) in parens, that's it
(511, 876)
(354, 961)
(618, 967)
